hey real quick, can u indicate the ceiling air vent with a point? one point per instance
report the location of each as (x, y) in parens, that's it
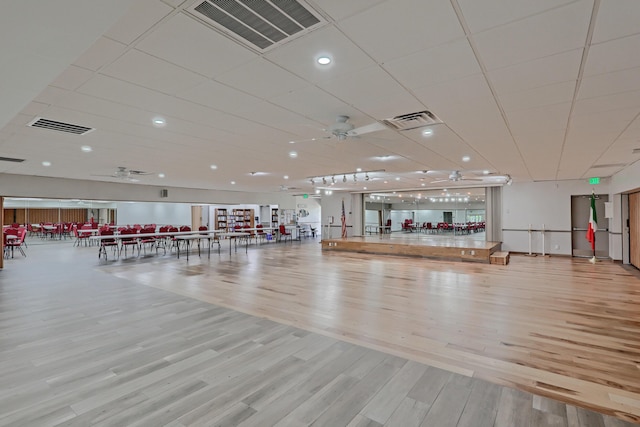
(39, 122)
(412, 120)
(260, 24)
(11, 159)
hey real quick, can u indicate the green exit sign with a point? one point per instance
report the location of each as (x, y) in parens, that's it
(305, 196)
(594, 181)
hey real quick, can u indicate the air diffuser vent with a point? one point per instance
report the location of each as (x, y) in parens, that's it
(259, 24)
(39, 122)
(11, 159)
(412, 120)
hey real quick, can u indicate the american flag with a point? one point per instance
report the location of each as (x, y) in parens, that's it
(343, 218)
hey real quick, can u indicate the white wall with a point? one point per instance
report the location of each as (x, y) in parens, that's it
(332, 205)
(59, 188)
(313, 207)
(538, 204)
(176, 214)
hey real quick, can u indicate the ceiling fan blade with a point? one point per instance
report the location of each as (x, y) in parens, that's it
(136, 172)
(471, 179)
(439, 180)
(373, 127)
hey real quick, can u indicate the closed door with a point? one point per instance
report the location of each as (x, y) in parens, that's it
(634, 229)
(580, 210)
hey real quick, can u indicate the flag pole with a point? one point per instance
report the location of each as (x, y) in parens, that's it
(593, 259)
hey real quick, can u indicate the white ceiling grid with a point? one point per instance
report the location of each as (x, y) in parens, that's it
(501, 74)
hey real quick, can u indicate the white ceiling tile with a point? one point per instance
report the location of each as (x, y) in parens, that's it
(218, 96)
(323, 107)
(186, 41)
(546, 71)
(103, 52)
(614, 55)
(261, 78)
(482, 15)
(616, 19)
(421, 25)
(550, 117)
(439, 64)
(626, 102)
(72, 78)
(340, 9)
(549, 33)
(354, 89)
(299, 56)
(610, 83)
(142, 15)
(545, 95)
(444, 96)
(166, 78)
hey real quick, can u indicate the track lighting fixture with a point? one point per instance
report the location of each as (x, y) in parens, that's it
(312, 183)
(325, 178)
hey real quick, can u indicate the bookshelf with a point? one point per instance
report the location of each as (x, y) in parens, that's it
(221, 219)
(274, 217)
(241, 217)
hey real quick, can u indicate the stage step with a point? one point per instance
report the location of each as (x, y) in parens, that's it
(501, 258)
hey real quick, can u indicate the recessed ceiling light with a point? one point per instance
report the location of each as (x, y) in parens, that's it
(359, 170)
(286, 177)
(292, 142)
(233, 183)
(324, 60)
(317, 191)
(159, 121)
(45, 163)
(427, 132)
(397, 178)
(423, 184)
(161, 175)
(213, 167)
(364, 188)
(485, 172)
(86, 149)
(466, 158)
(293, 154)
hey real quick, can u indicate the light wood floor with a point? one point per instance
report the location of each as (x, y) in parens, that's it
(337, 339)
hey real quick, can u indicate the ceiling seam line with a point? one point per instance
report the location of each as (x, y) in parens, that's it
(483, 68)
(583, 62)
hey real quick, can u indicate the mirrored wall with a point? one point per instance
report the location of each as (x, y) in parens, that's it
(442, 212)
(36, 211)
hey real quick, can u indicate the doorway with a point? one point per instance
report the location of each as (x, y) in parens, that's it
(580, 210)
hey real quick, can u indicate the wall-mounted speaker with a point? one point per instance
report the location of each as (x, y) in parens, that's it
(164, 193)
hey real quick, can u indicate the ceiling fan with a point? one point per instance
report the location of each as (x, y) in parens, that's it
(126, 174)
(454, 176)
(341, 129)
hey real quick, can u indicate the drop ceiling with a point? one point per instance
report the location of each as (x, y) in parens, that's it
(544, 90)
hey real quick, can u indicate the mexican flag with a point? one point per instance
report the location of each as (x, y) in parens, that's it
(593, 224)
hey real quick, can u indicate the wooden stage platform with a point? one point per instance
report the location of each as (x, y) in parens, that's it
(452, 248)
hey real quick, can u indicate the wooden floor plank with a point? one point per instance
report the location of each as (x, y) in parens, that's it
(350, 339)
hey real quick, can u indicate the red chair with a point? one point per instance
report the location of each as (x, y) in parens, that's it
(148, 241)
(260, 234)
(16, 242)
(284, 233)
(80, 236)
(128, 237)
(107, 243)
